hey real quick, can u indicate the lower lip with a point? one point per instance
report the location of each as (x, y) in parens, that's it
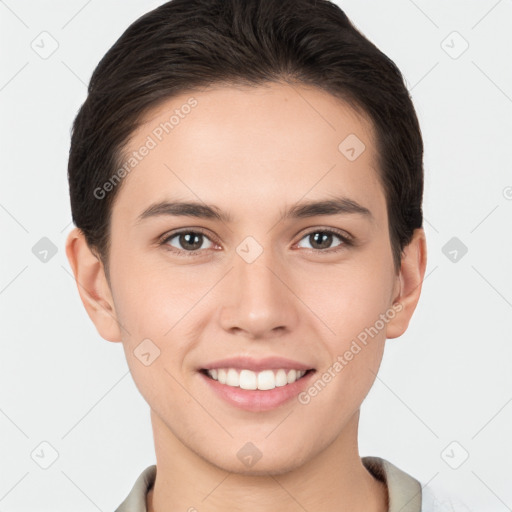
(256, 400)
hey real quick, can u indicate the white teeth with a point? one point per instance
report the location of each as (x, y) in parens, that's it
(266, 380)
(247, 379)
(281, 379)
(233, 378)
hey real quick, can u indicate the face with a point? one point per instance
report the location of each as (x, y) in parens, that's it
(253, 272)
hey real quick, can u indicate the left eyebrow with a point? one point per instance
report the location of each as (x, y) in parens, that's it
(334, 206)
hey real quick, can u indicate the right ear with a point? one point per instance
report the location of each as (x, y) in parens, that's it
(92, 286)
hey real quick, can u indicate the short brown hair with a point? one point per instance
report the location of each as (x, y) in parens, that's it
(187, 44)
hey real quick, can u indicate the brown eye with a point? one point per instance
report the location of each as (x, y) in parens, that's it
(190, 242)
(322, 239)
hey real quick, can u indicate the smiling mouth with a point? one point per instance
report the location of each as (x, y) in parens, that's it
(263, 380)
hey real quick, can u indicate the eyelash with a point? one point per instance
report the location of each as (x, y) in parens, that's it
(344, 237)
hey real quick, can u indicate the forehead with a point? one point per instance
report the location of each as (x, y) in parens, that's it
(252, 149)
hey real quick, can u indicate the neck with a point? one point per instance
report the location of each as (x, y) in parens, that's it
(335, 480)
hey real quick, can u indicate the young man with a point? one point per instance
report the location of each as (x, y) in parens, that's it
(246, 180)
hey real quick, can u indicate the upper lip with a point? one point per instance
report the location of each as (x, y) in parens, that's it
(249, 363)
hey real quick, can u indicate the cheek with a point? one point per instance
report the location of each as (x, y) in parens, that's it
(350, 302)
(147, 299)
(349, 299)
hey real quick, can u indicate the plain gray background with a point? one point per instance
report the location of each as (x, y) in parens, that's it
(441, 407)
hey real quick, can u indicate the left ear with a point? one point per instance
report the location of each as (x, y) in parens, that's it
(412, 273)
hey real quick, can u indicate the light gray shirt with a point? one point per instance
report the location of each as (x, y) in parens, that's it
(405, 492)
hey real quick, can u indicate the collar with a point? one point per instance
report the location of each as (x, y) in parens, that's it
(404, 491)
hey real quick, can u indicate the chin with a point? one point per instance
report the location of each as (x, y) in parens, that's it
(278, 462)
(268, 468)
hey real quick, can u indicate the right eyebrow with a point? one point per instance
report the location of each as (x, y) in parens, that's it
(186, 209)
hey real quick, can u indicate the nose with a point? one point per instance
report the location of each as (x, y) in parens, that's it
(260, 301)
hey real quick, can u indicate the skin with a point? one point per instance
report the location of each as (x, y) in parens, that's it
(253, 152)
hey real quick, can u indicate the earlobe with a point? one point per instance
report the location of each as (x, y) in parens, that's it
(412, 273)
(92, 286)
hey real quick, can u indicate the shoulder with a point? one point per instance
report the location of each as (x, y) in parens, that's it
(407, 494)
(136, 499)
